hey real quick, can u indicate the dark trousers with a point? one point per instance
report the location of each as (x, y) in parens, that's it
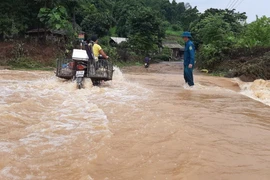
(188, 75)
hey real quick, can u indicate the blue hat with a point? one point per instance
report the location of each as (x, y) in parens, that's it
(186, 34)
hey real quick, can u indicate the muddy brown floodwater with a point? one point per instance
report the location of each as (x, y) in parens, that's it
(143, 125)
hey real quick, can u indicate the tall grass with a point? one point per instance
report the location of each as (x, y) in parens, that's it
(171, 32)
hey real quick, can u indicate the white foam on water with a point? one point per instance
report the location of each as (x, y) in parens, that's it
(49, 114)
(6, 170)
(117, 74)
(258, 90)
(7, 146)
(200, 87)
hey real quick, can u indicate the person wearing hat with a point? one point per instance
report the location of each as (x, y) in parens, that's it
(97, 50)
(189, 58)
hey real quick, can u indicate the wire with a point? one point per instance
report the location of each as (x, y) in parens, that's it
(228, 4)
(239, 4)
(233, 4)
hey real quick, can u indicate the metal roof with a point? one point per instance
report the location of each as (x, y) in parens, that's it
(118, 40)
(172, 45)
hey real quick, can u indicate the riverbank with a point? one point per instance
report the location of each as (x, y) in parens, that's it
(247, 67)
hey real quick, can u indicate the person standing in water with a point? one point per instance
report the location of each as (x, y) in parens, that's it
(189, 58)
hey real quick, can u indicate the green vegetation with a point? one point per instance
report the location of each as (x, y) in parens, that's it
(174, 31)
(219, 35)
(130, 63)
(223, 38)
(143, 22)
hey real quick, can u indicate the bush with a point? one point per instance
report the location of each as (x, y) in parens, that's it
(19, 50)
(176, 27)
(123, 51)
(111, 52)
(165, 55)
(257, 33)
(24, 62)
(20, 59)
(208, 56)
(161, 57)
(166, 51)
(258, 68)
(249, 66)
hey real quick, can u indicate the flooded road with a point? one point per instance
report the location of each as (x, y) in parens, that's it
(143, 125)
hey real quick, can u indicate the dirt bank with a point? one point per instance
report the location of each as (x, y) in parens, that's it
(247, 67)
(29, 51)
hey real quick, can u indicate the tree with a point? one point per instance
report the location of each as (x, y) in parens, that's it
(190, 15)
(56, 18)
(230, 16)
(122, 12)
(97, 23)
(213, 29)
(16, 17)
(257, 33)
(145, 30)
(213, 32)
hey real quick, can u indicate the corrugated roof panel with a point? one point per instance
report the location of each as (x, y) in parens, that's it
(118, 40)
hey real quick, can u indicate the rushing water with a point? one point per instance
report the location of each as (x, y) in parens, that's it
(258, 90)
(143, 126)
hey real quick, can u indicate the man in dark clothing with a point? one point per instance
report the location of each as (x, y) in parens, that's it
(189, 58)
(146, 61)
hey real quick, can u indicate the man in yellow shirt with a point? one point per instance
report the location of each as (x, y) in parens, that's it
(97, 50)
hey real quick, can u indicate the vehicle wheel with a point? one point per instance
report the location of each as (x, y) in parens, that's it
(80, 83)
(96, 83)
(79, 86)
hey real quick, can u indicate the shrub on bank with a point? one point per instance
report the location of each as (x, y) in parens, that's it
(25, 63)
(161, 57)
(29, 55)
(248, 68)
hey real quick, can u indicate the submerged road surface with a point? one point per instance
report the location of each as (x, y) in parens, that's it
(143, 125)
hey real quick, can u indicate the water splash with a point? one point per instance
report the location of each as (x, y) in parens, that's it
(117, 74)
(258, 90)
(49, 115)
(201, 87)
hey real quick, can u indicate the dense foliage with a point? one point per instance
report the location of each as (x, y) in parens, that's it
(218, 34)
(141, 20)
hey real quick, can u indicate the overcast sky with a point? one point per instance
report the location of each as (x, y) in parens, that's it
(251, 7)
